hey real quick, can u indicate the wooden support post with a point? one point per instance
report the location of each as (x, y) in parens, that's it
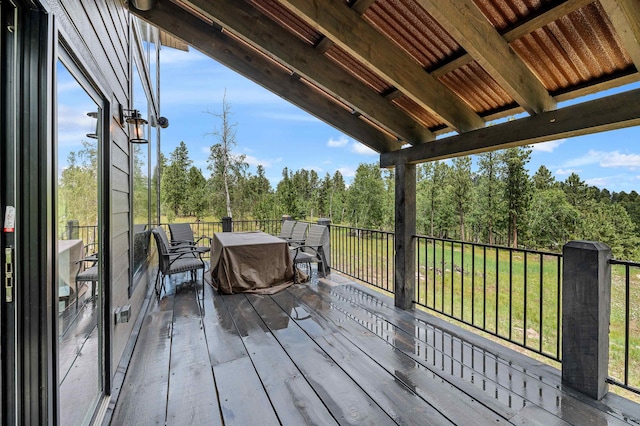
(586, 308)
(326, 247)
(405, 228)
(227, 224)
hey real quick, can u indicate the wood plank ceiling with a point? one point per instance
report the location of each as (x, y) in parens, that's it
(397, 74)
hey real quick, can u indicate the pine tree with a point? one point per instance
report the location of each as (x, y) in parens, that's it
(517, 188)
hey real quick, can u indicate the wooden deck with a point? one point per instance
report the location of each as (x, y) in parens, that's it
(333, 352)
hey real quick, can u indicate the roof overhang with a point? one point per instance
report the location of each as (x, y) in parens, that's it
(393, 73)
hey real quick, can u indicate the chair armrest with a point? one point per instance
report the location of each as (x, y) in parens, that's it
(181, 242)
(204, 237)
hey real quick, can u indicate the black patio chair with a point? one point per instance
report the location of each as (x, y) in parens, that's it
(299, 234)
(87, 269)
(175, 260)
(287, 229)
(313, 249)
(182, 235)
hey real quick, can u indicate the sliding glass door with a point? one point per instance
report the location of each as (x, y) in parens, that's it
(79, 114)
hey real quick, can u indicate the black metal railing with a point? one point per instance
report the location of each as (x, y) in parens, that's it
(270, 226)
(87, 233)
(624, 327)
(364, 254)
(513, 294)
(199, 228)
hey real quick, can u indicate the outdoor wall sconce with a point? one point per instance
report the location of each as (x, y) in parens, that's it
(94, 115)
(136, 126)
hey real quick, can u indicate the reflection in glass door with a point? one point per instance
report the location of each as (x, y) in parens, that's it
(79, 289)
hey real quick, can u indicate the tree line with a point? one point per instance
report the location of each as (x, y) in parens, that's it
(497, 203)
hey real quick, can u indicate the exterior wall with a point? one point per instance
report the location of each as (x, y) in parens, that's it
(100, 33)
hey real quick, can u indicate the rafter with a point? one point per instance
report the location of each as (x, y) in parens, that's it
(520, 30)
(466, 23)
(353, 34)
(361, 6)
(609, 113)
(625, 17)
(252, 64)
(250, 25)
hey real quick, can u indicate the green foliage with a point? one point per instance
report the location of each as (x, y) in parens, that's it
(78, 188)
(196, 199)
(490, 211)
(517, 188)
(551, 219)
(460, 187)
(364, 203)
(174, 180)
(433, 209)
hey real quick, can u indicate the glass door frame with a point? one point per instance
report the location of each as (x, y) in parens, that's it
(74, 67)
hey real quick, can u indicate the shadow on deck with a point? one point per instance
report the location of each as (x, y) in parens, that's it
(333, 352)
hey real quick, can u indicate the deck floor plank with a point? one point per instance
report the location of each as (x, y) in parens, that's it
(243, 399)
(504, 376)
(223, 341)
(456, 405)
(293, 399)
(395, 398)
(342, 396)
(333, 351)
(192, 397)
(143, 397)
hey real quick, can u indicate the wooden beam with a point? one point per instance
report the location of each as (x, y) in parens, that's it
(520, 30)
(625, 17)
(347, 29)
(361, 6)
(252, 26)
(466, 23)
(250, 63)
(609, 113)
(545, 18)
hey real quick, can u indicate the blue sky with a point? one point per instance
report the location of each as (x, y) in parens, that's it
(276, 134)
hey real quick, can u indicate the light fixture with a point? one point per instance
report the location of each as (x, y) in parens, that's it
(94, 115)
(136, 126)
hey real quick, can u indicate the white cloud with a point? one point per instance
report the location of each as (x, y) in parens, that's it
(600, 182)
(361, 149)
(179, 57)
(591, 157)
(264, 162)
(284, 116)
(616, 159)
(314, 168)
(547, 146)
(566, 172)
(337, 143)
(605, 159)
(347, 171)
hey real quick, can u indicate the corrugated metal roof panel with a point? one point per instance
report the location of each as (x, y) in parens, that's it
(357, 69)
(417, 112)
(286, 19)
(477, 88)
(506, 13)
(573, 50)
(413, 30)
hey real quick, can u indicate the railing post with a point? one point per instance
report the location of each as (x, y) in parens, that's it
(586, 308)
(405, 228)
(227, 224)
(73, 229)
(327, 246)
